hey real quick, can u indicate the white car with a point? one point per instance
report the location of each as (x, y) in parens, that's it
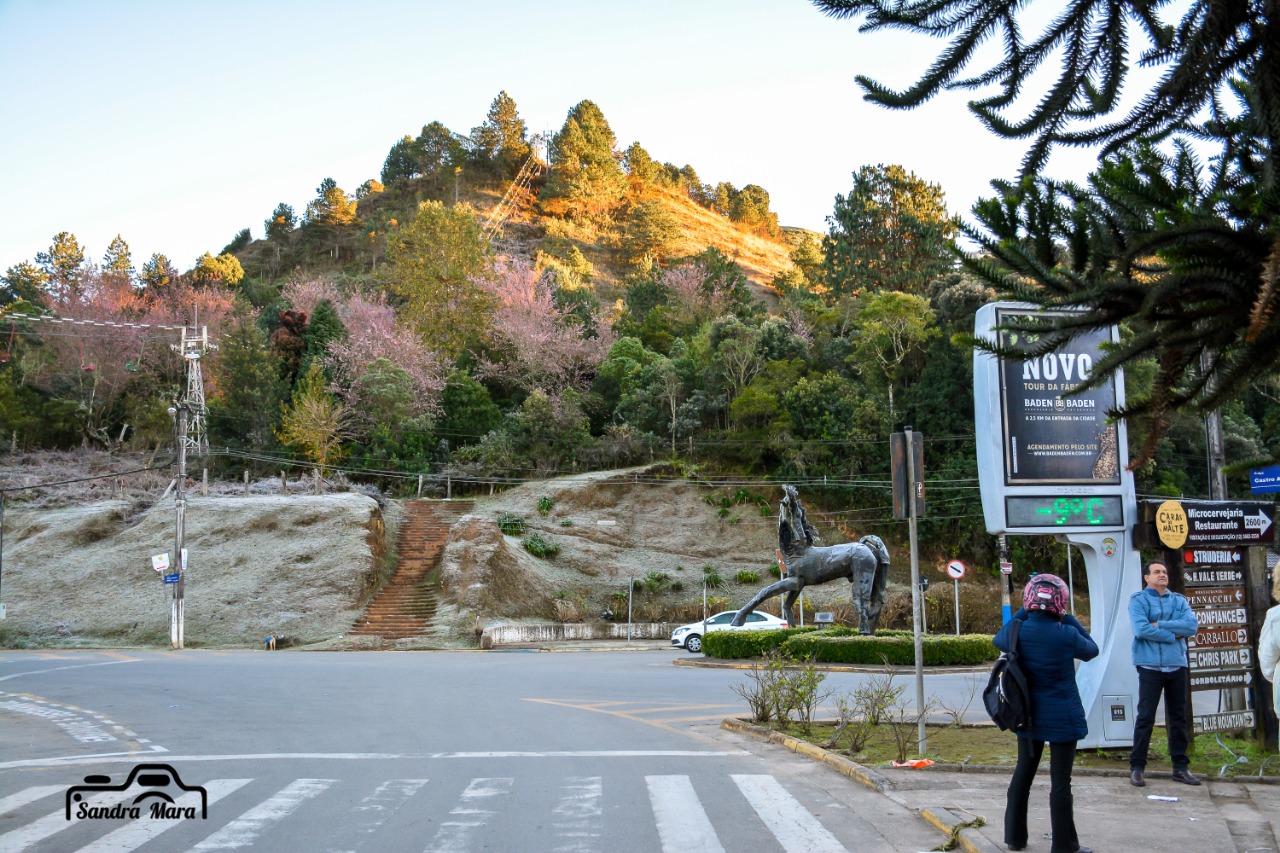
(689, 636)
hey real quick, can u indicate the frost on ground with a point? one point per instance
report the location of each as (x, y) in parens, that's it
(76, 566)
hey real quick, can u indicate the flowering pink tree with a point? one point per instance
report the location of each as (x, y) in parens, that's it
(698, 300)
(305, 294)
(539, 346)
(373, 332)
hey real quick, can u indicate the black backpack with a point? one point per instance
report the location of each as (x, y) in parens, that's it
(1007, 698)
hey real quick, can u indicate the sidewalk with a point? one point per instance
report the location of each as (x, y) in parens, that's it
(1219, 816)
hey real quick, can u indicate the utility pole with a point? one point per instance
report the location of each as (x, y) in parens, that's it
(180, 501)
(917, 606)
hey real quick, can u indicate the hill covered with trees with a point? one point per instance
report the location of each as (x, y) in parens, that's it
(496, 308)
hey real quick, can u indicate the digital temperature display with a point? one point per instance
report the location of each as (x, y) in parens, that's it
(1082, 511)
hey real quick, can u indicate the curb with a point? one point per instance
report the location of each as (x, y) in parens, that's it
(961, 830)
(839, 763)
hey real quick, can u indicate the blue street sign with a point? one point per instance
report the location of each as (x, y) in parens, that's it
(1263, 480)
(173, 578)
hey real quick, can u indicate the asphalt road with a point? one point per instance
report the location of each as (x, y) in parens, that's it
(440, 751)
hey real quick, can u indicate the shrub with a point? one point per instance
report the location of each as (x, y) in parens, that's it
(539, 547)
(511, 524)
(655, 581)
(842, 645)
(677, 586)
(566, 522)
(712, 577)
(747, 576)
(544, 505)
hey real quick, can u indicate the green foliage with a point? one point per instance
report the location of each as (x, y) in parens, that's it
(539, 547)
(65, 268)
(651, 230)
(119, 262)
(939, 650)
(323, 327)
(224, 269)
(281, 223)
(586, 181)
(246, 410)
(315, 423)
(511, 524)
(158, 272)
(433, 265)
(566, 522)
(711, 577)
(545, 505)
(747, 576)
(891, 232)
(500, 143)
(655, 581)
(469, 411)
(23, 282)
(242, 239)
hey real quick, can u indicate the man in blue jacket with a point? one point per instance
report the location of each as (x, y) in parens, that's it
(1162, 621)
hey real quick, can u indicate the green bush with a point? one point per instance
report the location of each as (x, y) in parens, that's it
(712, 577)
(539, 547)
(747, 576)
(511, 524)
(545, 505)
(566, 522)
(843, 645)
(655, 581)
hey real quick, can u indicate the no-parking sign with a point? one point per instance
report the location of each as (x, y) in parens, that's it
(955, 569)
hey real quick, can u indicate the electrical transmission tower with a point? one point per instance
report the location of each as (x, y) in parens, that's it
(194, 344)
(533, 167)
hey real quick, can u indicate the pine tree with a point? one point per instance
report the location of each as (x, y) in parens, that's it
(117, 260)
(158, 272)
(246, 410)
(281, 223)
(586, 179)
(891, 232)
(501, 141)
(64, 264)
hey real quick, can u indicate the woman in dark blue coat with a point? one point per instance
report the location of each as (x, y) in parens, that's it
(1050, 640)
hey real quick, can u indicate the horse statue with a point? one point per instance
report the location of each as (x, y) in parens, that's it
(865, 563)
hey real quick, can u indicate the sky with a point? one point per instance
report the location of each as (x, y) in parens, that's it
(176, 125)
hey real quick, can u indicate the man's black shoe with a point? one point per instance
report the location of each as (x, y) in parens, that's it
(1136, 780)
(1186, 777)
(1084, 850)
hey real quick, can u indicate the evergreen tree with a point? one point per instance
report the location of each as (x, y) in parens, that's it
(640, 166)
(501, 141)
(469, 411)
(324, 326)
(402, 163)
(24, 281)
(246, 410)
(891, 232)
(586, 179)
(158, 272)
(64, 264)
(315, 423)
(281, 223)
(242, 239)
(651, 229)
(331, 206)
(117, 260)
(433, 263)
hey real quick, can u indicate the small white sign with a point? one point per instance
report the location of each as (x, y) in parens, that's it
(955, 569)
(160, 562)
(1006, 568)
(184, 559)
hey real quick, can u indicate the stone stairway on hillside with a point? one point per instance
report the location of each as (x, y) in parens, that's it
(404, 607)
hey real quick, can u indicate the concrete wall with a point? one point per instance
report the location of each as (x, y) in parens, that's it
(510, 635)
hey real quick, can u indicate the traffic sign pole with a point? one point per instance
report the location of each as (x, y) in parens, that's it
(956, 569)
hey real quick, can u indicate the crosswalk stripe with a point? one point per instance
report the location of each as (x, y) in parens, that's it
(42, 828)
(683, 825)
(579, 815)
(242, 831)
(796, 829)
(30, 795)
(372, 812)
(469, 815)
(136, 833)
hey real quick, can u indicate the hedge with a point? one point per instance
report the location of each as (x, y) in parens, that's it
(841, 645)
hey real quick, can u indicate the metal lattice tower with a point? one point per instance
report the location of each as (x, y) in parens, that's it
(195, 343)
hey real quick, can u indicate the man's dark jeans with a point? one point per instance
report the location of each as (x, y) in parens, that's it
(1151, 684)
(1062, 820)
